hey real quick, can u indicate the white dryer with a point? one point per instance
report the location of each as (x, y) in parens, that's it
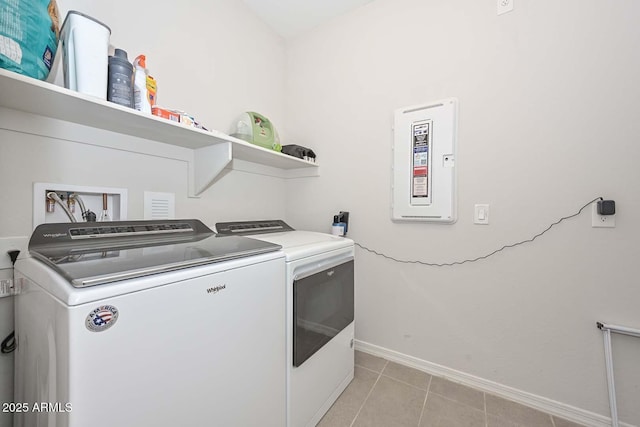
(320, 314)
(149, 323)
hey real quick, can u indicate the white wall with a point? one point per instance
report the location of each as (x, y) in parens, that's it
(548, 114)
(214, 59)
(548, 121)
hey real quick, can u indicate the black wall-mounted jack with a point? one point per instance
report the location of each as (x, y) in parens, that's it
(606, 207)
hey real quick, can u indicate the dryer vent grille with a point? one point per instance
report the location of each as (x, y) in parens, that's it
(159, 205)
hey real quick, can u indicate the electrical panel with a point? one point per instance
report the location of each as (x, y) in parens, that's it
(424, 150)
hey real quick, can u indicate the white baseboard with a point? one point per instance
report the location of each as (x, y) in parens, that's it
(568, 412)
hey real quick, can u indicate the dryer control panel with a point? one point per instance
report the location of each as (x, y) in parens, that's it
(239, 228)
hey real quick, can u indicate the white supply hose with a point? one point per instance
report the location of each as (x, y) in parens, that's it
(77, 198)
(54, 196)
(87, 215)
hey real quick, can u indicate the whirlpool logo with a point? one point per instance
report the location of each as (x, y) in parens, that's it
(216, 289)
(54, 236)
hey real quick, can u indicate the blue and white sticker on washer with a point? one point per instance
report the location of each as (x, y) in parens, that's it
(102, 318)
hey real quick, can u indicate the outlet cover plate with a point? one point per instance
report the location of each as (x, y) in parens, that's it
(601, 221)
(505, 6)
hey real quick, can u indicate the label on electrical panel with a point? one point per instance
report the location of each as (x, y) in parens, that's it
(420, 145)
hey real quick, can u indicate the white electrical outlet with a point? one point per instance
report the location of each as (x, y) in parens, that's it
(505, 6)
(601, 221)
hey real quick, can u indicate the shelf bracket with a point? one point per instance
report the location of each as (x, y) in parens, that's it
(207, 163)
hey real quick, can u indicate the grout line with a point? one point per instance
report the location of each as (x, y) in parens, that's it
(431, 376)
(405, 383)
(424, 404)
(369, 369)
(368, 394)
(453, 399)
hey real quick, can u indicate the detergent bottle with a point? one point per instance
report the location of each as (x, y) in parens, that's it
(119, 82)
(144, 86)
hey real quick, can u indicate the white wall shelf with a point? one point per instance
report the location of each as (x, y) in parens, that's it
(212, 150)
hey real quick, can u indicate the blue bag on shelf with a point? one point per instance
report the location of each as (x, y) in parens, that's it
(29, 31)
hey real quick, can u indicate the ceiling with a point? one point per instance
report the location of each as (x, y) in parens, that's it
(292, 17)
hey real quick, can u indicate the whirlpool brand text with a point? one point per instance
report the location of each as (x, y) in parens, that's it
(216, 289)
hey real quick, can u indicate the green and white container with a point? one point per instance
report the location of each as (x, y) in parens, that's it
(257, 129)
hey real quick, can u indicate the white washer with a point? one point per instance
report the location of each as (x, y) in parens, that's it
(149, 323)
(320, 305)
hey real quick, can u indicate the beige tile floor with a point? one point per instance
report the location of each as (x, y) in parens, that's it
(386, 394)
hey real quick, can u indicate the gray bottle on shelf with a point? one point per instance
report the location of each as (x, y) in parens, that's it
(120, 85)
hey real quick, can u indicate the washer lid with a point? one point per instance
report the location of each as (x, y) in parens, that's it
(88, 254)
(302, 244)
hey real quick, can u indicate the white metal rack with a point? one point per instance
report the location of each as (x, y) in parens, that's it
(212, 150)
(608, 355)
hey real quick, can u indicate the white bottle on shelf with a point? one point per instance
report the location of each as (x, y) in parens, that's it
(140, 91)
